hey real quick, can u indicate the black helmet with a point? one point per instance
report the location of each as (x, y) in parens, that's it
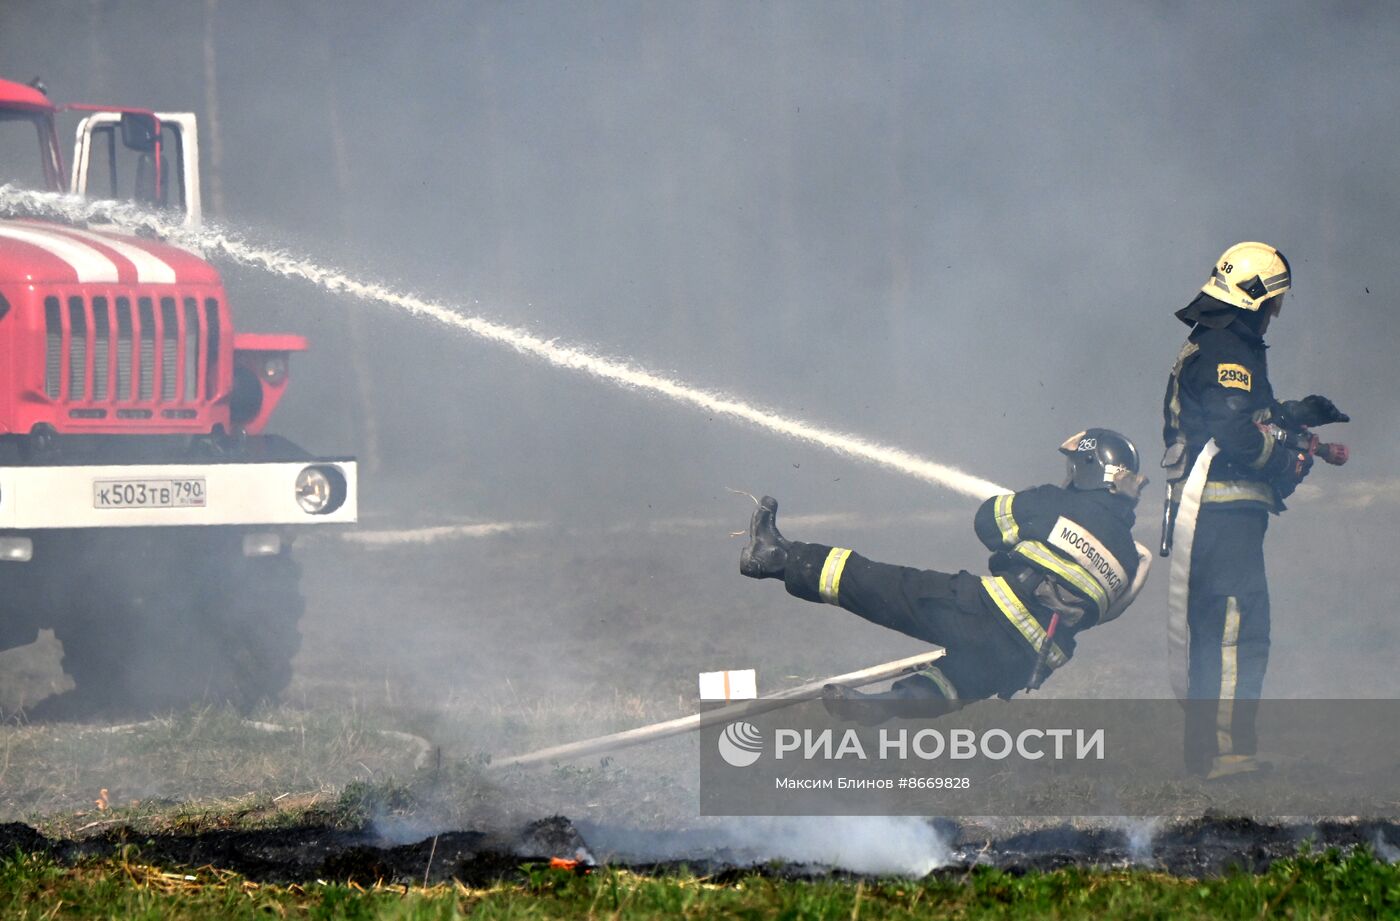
(1103, 459)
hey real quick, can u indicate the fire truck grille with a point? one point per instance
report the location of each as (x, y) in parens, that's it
(126, 350)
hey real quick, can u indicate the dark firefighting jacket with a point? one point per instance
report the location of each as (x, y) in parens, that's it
(1219, 388)
(1059, 550)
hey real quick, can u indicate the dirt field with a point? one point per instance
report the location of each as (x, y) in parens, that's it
(434, 641)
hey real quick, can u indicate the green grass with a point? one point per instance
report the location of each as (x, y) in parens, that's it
(1328, 885)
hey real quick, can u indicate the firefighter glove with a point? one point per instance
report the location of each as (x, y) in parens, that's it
(1298, 466)
(1312, 410)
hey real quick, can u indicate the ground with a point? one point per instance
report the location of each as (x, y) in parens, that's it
(435, 641)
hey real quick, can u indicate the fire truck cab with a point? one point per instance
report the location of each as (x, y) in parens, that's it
(146, 515)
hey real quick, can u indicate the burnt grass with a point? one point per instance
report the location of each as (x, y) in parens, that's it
(1208, 846)
(1198, 848)
(307, 854)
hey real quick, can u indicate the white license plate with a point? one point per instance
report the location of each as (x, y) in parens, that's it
(188, 492)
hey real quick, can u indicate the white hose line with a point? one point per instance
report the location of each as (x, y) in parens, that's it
(213, 242)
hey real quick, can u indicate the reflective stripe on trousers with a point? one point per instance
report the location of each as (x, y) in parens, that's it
(1229, 656)
(1229, 678)
(829, 585)
(945, 686)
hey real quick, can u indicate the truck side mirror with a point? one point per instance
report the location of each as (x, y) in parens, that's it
(140, 131)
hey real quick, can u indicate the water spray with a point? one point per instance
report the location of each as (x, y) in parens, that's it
(214, 242)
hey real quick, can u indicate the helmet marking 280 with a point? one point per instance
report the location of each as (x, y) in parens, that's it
(1102, 459)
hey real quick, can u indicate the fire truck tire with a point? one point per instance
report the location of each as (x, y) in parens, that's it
(257, 611)
(19, 606)
(228, 639)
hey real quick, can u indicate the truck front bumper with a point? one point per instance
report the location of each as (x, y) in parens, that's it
(174, 495)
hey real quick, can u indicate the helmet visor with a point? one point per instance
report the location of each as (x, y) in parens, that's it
(1124, 482)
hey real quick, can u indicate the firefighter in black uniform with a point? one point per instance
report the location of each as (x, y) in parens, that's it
(1233, 455)
(1063, 560)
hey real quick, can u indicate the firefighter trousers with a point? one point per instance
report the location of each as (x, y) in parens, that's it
(1228, 655)
(985, 657)
(1227, 618)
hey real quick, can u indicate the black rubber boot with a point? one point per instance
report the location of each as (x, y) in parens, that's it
(765, 556)
(871, 708)
(855, 706)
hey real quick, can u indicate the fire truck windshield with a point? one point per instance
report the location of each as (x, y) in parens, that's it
(23, 149)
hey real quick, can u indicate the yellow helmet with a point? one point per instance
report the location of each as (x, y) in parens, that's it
(1247, 274)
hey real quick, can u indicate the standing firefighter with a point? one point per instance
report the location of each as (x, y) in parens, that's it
(1063, 560)
(1233, 455)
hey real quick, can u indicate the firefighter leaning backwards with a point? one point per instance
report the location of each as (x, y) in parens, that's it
(1063, 561)
(1233, 455)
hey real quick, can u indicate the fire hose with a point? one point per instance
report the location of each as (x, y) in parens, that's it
(697, 721)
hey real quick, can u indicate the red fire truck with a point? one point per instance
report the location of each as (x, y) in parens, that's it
(145, 514)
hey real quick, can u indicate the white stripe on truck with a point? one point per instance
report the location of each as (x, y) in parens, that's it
(150, 268)
(88, 263)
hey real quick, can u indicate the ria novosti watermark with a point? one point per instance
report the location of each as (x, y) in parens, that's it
(1042, 757)
(933, 744)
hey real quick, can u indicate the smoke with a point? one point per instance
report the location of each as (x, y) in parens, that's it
(214, 242)
(951, 232)
(1140, 832)
(897, 845)
(880, 845)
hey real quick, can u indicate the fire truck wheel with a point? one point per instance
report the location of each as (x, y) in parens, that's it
(257, 612)
(227, 638)
(19, 625)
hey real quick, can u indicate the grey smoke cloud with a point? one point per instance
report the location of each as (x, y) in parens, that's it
(906, 220)
(958, 228)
